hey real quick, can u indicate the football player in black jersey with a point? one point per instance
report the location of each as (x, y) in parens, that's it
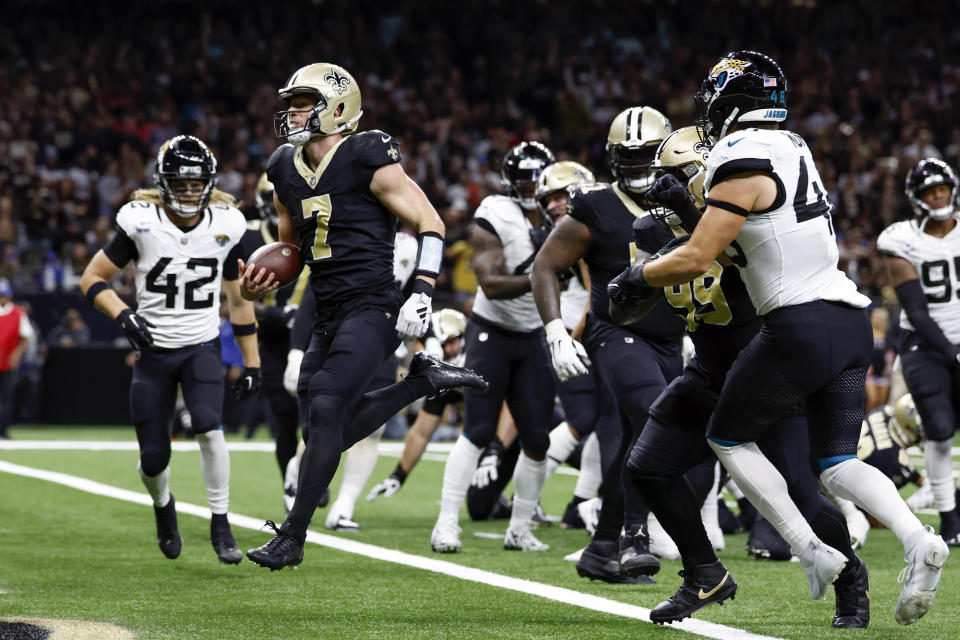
(720, 320)
(275, 313)
(339, 194)
(598, 229)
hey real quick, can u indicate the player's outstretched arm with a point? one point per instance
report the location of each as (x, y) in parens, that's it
(401, 195)
(244, 323)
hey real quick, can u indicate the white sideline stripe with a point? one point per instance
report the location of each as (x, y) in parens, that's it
(549, 592)
(436, 452)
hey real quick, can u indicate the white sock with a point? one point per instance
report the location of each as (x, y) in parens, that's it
(461, 463)
(873, 491)
(528, 479)
(766, 489)
(591, 476)
(734, 490)
(158, 486)
(292, 476)
(709, 513)
(562, 444)
(215, 469)
(358, 464)
(938, 458)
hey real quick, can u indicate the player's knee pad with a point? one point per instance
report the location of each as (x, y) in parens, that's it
(205, 418)
(154, 460)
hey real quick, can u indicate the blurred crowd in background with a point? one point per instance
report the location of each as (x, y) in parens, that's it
(88, 92)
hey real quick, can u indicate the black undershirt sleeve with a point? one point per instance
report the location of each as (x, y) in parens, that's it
(914, 303)
(231, 270)
(121, 249)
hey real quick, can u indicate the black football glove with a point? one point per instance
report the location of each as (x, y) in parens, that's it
(672, 194)
(136, 329)
(629, 288)
(248, 384)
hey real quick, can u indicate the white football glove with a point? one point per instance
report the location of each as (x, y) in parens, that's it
(386, 489)
(487, 471)
(568, 356)
(414, 316)
(291, 375)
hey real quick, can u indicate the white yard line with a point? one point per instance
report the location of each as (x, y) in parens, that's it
(546, 591)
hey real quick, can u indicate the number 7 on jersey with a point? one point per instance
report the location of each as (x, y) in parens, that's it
(320, 207)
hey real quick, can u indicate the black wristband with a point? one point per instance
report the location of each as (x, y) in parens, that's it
(399, 474)
(95, 289)
(244, 329)
(422, 286)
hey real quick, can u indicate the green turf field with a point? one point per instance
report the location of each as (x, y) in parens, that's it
(69, 554)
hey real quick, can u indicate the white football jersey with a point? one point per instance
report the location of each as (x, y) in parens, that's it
(405, 258)
(573, 301)
(937, 261)
(178, 273)
(787, 254)
(512, 227)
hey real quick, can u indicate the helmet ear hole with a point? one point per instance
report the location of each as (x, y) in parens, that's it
(336, 114)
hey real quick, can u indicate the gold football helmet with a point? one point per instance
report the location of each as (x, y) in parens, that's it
(684, 155)
(908, 428)
(337, 109)
(631, 144)
(561, 176)
(448, 324)
(264, 200)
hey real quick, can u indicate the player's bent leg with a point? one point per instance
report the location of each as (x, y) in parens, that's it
(215, 468)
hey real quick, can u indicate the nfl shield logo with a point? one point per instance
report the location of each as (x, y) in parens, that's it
(222, 240)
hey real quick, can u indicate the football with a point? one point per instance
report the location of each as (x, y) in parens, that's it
(281, 258)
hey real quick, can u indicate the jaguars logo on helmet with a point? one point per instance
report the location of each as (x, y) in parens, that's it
(521, 170)
(743, 86)
(185, 158)
(264, 200)
(928, 173)
(337, 108)
(561, 176)
(632, 143)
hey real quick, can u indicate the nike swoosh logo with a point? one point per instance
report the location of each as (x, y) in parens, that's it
(704, 596)
(730, 143)
(387, 139)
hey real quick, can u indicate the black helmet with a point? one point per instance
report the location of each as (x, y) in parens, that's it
(743, 86)
(185, 158)
(521, 168)
(931, 172)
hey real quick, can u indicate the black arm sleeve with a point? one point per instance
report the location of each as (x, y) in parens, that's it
(303, 321)
(231, 271)
(914, 303)
(121, 249)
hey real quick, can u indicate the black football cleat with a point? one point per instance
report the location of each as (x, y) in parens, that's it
(571, 516)
(706, 584)
(852, 590)
(635, 556)
(168, 536)
(282, 551)
(443, 376)
(764, 542)
(600, 561)
(950, 527)
(222, 540)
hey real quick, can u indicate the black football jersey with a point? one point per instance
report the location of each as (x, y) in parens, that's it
(609, 214)
(346, 235)
(879, 447)
(272, 326)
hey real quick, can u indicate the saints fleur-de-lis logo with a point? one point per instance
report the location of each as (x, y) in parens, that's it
(337, 81)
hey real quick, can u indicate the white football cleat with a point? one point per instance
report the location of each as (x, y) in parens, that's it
(589, 511)
(661, 544)
(922, 498)
(822, 564)
(574, 557)
(340, 519)
(446, 536)
(522, 539)
(921, 576)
